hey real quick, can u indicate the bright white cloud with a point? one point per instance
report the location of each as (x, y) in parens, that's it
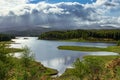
(64, 14)
(100, 2)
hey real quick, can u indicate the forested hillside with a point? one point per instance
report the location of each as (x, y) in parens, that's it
(84, 34)
(5, 37)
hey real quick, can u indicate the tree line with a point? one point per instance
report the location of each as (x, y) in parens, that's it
(85, 34)
(6, 37)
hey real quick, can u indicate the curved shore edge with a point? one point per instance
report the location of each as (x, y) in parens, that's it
(115, 49)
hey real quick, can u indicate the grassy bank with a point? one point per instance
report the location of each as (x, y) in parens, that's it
(6, 42)
(33, 71)
(90, 40)
(93, 67)
(106, 64)
(91, 49)
(12, 50)
(4, 47)
(23, 68)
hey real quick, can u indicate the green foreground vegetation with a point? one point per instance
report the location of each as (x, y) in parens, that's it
(115, 49)
(26, 68)
(4, 48)
(94, 68)
(89, 68)
(23, 68)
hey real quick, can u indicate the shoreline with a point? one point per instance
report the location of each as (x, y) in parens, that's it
(115, 49)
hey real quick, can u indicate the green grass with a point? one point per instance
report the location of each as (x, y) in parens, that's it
(4, 46)
(104, 58)
(12, 68)
(90, 40)
(35, 70)
(68, 73)
(6, 42)
(13, 50)
(91, 49)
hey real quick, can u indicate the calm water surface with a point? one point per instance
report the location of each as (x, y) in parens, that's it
(47, 53)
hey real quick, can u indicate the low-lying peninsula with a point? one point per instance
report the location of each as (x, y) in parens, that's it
(115, 49)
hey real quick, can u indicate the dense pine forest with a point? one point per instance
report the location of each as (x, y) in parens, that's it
(82, 34)
(5, 37)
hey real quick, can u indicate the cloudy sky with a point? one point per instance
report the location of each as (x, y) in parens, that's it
(59, 13)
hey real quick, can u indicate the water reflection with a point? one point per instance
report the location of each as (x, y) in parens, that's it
(59, 63)
(47, 53)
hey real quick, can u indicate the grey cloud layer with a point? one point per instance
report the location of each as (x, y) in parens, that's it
(60, 15)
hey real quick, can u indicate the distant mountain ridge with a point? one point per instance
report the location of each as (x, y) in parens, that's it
(31, 31)
(36, 30)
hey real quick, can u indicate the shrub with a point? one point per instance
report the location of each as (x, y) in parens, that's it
(118, 43)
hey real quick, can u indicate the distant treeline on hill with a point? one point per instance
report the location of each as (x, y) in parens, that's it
(5, 37)
(84, 34)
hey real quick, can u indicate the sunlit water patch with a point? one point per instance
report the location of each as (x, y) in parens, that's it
(47, 53)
